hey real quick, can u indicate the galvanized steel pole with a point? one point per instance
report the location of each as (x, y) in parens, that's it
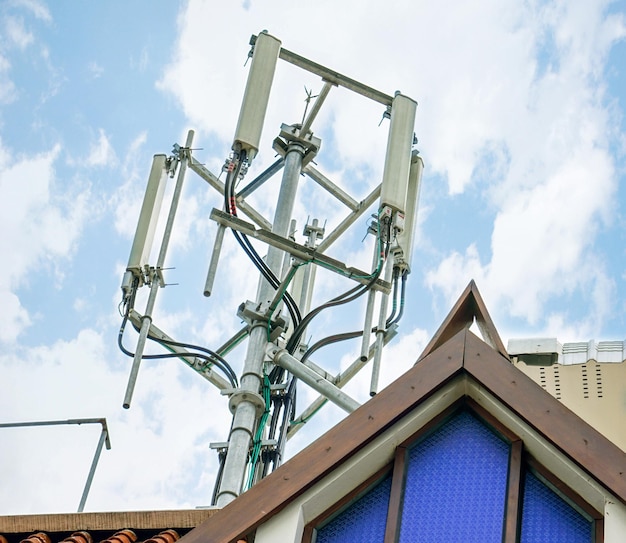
(92, 469)
(246, 402)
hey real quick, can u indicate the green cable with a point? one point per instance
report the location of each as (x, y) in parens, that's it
(241, 337)
(256, 447)
(304, 421)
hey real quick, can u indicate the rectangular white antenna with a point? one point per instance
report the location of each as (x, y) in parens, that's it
(398, 158)
(257, 94)
(405, 238)
(148, 217)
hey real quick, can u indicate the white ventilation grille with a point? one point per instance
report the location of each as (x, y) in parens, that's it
(548, 351)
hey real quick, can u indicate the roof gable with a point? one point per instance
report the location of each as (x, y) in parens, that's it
(469, 307)
(453, 353)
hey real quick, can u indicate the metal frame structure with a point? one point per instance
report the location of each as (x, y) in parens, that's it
(104, 439)
(276, 358)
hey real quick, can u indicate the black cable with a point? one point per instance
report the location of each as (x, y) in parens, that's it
(294, 340)
(402, 297)
(394, 297)
(289, 413)
(267, 273)
(208, 359)
(218, 479)
(214, 357)
(335, 338)
(344, 298)
(246, 245)
(277, 405)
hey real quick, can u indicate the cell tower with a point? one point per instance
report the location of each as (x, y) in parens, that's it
(262, 396)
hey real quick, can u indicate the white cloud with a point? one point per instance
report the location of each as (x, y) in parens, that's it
(38, 9)
(558, 181)
(8, 92)
(156, 445)
(101, 152)
(13, 318)
(16, 33)
(541, 242)
(95, 70)
(126, 201)
(44, 227)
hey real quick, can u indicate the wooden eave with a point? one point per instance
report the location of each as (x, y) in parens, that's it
(110, 521)
(462, 355)
(120, 527)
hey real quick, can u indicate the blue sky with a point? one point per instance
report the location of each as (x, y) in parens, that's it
(520, 124)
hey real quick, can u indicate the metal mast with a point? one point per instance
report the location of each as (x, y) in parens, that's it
(262, 396)
(246, 402)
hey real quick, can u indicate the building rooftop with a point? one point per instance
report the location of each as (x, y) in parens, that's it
(114, 527)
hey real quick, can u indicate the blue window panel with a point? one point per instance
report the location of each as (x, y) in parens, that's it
(364, 520)
(456, 485)
(546, 517)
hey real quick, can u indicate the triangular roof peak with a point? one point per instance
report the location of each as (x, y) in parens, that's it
(468, 309)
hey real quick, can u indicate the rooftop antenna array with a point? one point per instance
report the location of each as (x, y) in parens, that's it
(262, 397)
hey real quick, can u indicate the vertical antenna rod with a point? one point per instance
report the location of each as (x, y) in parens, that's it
(380, 334)
(155, 275)
(369, 310)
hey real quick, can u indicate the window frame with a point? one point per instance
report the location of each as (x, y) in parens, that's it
(519, 461)
(311, 528)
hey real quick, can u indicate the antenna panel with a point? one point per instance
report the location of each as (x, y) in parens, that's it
(148, 217)
(406, 237)
(256, 96)
(398, 158)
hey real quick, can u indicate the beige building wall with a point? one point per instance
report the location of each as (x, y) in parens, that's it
(596, 392)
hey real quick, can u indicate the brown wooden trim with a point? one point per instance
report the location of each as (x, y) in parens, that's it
(434, 423)
(351, 496)
(485, 324)
(490, 420)
(307, 535)
(598, 530)
(468, 307)
(109, 521)
(396, 497)
(562, 489)
(569, 495)
(459, 318)
(287, 483)
(577, 440)
(513, 491)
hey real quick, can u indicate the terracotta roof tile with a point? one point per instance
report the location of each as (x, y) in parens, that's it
(79, 537)
(121, 536)
(166, 536)
(39, 537)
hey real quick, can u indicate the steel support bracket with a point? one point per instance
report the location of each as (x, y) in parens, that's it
(241, 396)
